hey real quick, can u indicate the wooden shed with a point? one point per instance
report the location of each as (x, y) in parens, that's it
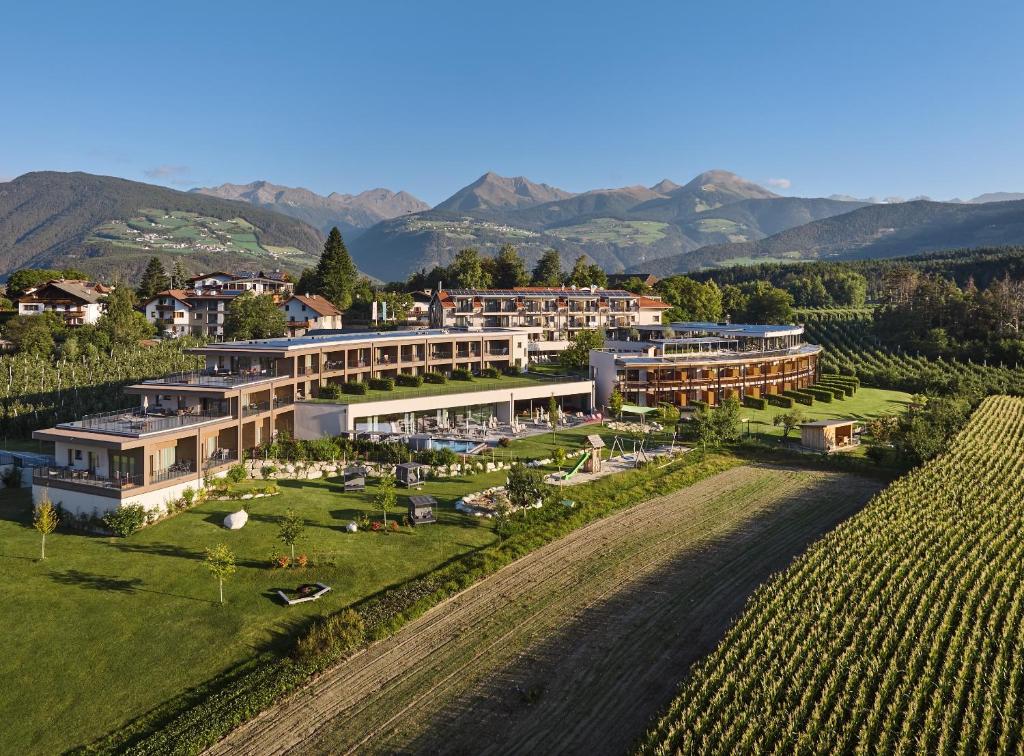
(828, 435)
(421, 509)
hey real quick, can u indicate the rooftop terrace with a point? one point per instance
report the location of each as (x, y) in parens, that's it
(330, 339)
(137, 421)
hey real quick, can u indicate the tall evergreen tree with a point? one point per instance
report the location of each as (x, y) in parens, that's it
(587, 274)
(179, 275)
(336, 274)
(154, 279)
(548, 271)
(509, 269)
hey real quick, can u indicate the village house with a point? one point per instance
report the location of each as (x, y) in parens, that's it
(78, 302)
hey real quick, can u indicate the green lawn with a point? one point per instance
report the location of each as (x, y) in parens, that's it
(108, 628)
(451, 387)
(865, 404)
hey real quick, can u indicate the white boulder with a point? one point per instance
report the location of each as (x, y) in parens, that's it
(351, 527)
(236, 520)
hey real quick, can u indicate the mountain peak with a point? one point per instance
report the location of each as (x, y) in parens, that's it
(494, 192)
(665, 186)
(720, 180)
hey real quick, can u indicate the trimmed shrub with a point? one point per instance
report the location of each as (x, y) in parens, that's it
(800, 397)
(124, 521)
(236, 473)
(698, 404)
(329, 391)
(404, 379)
(462, 374)
(490, 372)
(354, 387)
(780, 401)
(382, 384)
(755, 402)
(434, 377)
(822, 395)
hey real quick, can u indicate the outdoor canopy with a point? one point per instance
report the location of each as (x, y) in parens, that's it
(634, 409)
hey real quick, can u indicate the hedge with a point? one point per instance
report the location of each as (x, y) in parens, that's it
(837, 391)
(329, 391)
(754, 402)
(382, 384)
(801, 397)
(462, 374)
(433, 377)
(404, 379)
(822, 395)
(780, 401)
(354, 387)
(490, 372)
(698, 404)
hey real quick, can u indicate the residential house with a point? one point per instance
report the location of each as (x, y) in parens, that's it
(307, 312)
(78, 302)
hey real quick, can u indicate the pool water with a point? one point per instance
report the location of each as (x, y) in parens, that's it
(459, 447)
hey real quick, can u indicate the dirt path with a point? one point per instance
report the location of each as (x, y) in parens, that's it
(576, 646)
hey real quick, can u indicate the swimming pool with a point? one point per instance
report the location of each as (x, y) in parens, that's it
(459, 447)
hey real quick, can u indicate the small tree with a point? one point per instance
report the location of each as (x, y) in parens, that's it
(524, 485)
(386, 497)
(45, 520)
(220, 561)
(788, 421)
(707, 428)
(289, 528)
(553, 416)
(615, 403)
(560, 457)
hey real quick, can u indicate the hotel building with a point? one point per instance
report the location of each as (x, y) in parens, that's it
(188, 426)
(706, 362)
(550, 316)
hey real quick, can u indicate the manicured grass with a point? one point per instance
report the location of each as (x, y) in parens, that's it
(107, 628)
(864, 405)
(438, 389)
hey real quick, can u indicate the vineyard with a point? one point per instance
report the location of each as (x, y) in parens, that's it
(36, 392)
(899, 632)
(851, 347)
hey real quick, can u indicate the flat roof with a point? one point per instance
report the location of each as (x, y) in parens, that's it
(313, 339)
(628, 359)
(741, 329)
(539, 291)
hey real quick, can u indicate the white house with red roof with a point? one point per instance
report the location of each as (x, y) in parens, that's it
(308, 312)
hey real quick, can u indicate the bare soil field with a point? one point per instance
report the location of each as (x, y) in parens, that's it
(576, 647)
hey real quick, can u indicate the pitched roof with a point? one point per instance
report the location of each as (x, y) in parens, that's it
(316, 303)
(657, 304)
(445, 300)
(83, 290)
(180, 294)
(211, 275)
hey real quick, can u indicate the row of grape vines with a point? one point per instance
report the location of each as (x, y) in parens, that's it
(36, 392)
(850, 346)
(902, 631)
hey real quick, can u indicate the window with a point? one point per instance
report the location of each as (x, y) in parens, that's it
(78, 454)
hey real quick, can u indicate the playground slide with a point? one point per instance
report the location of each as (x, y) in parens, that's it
(573, 471)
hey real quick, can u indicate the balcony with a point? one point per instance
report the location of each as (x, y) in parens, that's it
(497, 352)
(440, 356)
(173, 472)
(307, 370)
(283, 402)
(49, 474)
(138, 421)
(255, 408)
(218, 378)
(332, 365)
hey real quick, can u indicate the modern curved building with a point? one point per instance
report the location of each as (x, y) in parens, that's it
(707, 362)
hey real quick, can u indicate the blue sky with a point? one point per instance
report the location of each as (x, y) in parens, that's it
(867, 98)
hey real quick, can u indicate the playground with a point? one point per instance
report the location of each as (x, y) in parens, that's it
(623, 455)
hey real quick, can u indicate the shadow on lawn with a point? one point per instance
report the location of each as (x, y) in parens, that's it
(109, 583)
(175, 552)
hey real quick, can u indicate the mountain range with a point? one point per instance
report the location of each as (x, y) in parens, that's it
(618, 228)
(351, 213)
(111, 226)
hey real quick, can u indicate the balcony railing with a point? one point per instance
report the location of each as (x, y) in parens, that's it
(48, 474)
(177, 470)
(222, 378)
(255, 408)
(334, 365)
(137, 421)
(308, 370)
(283, 402)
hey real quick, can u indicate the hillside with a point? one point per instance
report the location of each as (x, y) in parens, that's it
(351, 213)
(110, 226)
(618, 228)
(889, 230)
